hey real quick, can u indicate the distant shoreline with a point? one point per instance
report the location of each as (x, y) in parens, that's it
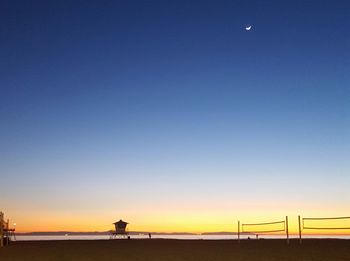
(63, 233)
(59, 233)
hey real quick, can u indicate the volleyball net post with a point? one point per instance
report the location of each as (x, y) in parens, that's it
(299, 222)
(238, 232)
(1, 229)
(287, 230)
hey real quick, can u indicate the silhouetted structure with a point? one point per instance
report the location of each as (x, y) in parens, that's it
(306, 223)
(263, 228)
(5, 231)
(120, 229)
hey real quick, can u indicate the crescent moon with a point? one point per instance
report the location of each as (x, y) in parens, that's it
(248, 27)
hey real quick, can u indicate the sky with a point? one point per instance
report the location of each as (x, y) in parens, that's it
(170, 115)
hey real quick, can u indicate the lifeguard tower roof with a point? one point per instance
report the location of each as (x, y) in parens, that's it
(121, 222)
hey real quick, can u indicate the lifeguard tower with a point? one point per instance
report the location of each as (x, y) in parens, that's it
(6, 233)
(120, 229)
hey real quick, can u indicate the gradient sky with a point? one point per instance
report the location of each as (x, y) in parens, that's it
(170, 115)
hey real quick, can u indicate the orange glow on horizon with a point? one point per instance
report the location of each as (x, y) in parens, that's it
(188, 217)
(165, 224)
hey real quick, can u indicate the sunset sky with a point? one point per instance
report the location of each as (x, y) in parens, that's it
(170, 115)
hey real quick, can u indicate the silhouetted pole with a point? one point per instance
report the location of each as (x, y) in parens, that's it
(287, 230)
(1, 229)
(299, 229)
(7, 231)
(239, 240)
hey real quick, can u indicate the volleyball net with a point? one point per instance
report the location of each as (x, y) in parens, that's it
(323, 224)
(264, 228)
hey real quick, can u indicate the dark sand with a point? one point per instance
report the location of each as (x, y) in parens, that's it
(157, 249)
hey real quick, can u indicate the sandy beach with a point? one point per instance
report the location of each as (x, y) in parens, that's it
(153, 250)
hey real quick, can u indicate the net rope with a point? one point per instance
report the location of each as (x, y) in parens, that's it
(264, 224)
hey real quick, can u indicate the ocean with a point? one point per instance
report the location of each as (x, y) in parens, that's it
(183, 237)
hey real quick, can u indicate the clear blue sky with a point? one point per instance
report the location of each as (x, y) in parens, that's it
(112, 106)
